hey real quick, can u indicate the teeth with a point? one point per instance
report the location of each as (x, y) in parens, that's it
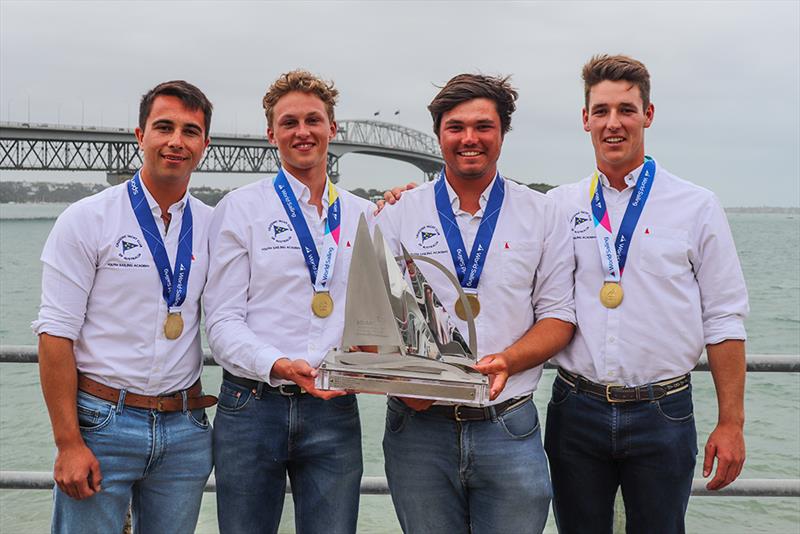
(613, 139)
(470, 153)
(304, 145)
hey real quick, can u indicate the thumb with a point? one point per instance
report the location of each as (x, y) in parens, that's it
(708, 458)
(95, 476)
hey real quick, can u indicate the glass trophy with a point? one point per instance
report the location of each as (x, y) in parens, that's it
(398, 338)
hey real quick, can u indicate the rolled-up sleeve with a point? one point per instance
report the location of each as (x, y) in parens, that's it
(723, 294)
(553, 294)
(234, 345)
(69, 261)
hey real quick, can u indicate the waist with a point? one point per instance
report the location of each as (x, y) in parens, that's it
(618, 393)
(191, 398)
(462, 412)
(260, 387)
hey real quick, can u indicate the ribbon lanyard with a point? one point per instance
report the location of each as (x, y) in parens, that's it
(174, 282)
(614, 257)
(320, 274)
(468, 269)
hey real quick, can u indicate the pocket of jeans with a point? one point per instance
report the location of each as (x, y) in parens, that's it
(561, 393)
(93, 414)
(395, 420)
(198, 418)
(520, 422)
(232, 397)
(345, 402)
(676, 408)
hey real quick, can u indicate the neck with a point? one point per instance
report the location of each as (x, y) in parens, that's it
(314, 179)
(469, 190)
(166, 192)
(616, 176)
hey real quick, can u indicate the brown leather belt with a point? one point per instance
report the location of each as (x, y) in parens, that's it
(460, 412)
(619, 393)
(166, 403)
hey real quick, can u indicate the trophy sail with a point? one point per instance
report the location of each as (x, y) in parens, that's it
(420, 352)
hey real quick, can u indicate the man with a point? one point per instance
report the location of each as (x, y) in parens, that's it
(460, 469)
(119, 341)
(621, 411)
(275, 303)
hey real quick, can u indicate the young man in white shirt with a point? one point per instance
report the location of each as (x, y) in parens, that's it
(657, 278)
(468, 469)
(119, 341)
(275, 303)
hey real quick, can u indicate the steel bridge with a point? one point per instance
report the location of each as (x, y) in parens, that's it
(25, 146)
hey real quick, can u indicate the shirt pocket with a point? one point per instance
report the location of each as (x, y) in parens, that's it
(519, 262)
(665, 252)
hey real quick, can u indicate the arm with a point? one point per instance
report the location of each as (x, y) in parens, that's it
(536, 346)
(76, 471)
(726, 442)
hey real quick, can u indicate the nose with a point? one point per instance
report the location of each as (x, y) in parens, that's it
(470, 136)
(613, 121)
(176, 139)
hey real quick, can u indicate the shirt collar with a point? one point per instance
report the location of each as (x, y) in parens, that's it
(455, 203)
(303, 193)
(155, 209)
(630, 178)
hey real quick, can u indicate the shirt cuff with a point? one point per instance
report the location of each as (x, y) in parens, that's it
(263, 361)
(730, 329)
(54, 329)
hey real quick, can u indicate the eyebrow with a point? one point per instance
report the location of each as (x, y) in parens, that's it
(460, 121)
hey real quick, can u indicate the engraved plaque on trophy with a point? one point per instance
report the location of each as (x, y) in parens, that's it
(391, 308)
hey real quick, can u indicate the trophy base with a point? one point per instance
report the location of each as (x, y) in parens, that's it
(405, 376)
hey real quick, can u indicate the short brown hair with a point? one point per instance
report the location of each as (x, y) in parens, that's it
(192, 97)
(603, 67)
(465, 87)
(305, 82)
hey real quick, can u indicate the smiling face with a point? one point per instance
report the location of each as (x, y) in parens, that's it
(173, 142)
(302, 130)
(616, 118)
(470, 138)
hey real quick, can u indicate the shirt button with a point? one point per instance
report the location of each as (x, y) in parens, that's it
(311, 346)
(612, 339)
(611, 373)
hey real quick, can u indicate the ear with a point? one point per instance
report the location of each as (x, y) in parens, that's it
(139, 135)
(334, 129)
(271, 136)
(585, 117)
(649, 114)
(208, 140)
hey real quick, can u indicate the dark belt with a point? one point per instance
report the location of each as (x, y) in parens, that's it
(461, 412)
(165, 403)
(254, 385)
(617, 393)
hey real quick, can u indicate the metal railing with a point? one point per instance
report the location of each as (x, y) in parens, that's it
(748, 487)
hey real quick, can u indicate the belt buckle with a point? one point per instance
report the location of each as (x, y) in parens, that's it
(160, 405)
(283, 391)
(456, 414)
(608, 393)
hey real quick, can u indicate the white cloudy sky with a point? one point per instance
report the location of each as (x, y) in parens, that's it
(725, 75)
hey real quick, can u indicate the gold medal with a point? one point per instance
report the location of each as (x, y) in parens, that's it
(611, 294)
(322, 304)
(173, 326)
(474, 304)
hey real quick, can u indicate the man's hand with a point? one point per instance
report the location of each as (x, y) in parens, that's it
(418, 405)
(77, 471)
(726, 444)
(393, 195)
(302, 374)
(495, 366)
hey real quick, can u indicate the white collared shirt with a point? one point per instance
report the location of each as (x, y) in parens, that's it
(101, 289)
(258, 300)
(683, 285)
(527, 276)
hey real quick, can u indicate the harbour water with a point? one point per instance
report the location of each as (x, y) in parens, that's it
(769, 248)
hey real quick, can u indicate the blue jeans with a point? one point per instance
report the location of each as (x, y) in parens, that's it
(158, 462)
(466, 477)
(649, 448)
(259, 437)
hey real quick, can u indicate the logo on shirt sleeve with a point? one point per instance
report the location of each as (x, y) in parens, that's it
(129, 247)
(428, 236)
(280, 231)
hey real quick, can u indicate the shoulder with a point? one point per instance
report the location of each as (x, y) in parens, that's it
(248, 196)
(409, 203)
(683, 186)
(96, 206)
(571, 193)
(361, 204)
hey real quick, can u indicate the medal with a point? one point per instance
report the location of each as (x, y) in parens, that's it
(174, 280)
(173, 326)
(611, 294)
(474, 305)
(322, 304)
